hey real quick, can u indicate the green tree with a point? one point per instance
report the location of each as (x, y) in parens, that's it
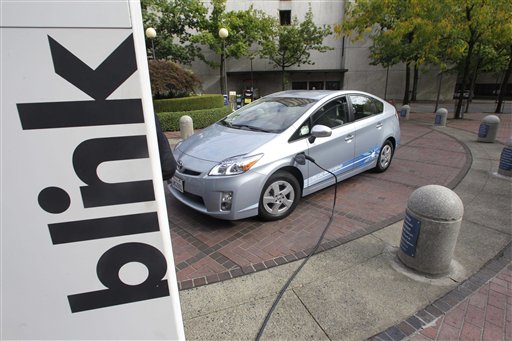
(400, 30)
(469, 18)
(457, 32)
(500, 38)
(479, 29)
(169, 80)
(174, 21)
(246, 29)
(504, 82)
(290, 45)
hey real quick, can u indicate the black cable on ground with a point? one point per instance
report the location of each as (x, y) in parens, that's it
(312, 252)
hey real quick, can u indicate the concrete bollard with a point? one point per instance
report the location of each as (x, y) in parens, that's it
(441, 116)
(431, 227)
(404, 112)
(505, 167)
(488, 128)
(186, 126)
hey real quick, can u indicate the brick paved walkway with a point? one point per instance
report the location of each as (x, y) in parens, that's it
(207, 250)
(479, 309)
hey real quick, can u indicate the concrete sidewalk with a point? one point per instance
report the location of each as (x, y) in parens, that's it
(359, 289)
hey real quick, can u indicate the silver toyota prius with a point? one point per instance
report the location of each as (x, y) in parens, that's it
(261, 159)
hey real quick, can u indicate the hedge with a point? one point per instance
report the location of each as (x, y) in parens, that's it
(209, 101)
(170, 121)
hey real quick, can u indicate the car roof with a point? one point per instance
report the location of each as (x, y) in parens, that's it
(313, 94)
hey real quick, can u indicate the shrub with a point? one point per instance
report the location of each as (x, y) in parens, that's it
(170, 121)
(170, 80)
(189, 103)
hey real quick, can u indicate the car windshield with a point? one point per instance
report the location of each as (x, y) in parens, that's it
(273, 115)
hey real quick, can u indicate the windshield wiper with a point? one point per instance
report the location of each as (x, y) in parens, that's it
(226, 123)
(249, 127)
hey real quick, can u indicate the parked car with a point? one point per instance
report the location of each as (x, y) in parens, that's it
(246, 164)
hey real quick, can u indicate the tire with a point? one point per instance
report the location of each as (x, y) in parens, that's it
(385, 157)
(279, 196)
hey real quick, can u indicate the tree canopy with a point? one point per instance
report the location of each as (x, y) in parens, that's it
(442, 33)
(289, 45)
(245, 29)
(175, 22)
(169, 80)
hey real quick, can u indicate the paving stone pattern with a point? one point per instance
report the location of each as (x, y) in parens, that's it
(479, 309)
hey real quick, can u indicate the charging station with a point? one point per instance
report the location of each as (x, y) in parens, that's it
(85, 243)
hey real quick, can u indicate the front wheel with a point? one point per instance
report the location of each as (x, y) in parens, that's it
(279, 196)
(385, 157)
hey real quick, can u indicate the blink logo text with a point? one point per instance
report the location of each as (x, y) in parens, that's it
(87, 156)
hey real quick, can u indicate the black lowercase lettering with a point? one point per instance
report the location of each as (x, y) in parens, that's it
(118, 292)
(88, 154)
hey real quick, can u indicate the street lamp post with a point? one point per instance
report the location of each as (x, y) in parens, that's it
(252, 76)
(223, 34)
(151, 34)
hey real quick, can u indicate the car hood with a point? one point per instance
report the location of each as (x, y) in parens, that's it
(217, 143)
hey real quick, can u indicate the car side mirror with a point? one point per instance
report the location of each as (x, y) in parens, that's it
(319, 130)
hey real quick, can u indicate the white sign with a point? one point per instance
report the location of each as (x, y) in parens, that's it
(85, 244)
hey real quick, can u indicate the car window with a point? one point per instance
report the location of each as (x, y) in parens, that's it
(268, 114)
(333, 114)
(364, 106)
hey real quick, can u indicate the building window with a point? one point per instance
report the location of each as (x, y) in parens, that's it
(316, 85)
(285, 17)
(299, 85)
(332, 85)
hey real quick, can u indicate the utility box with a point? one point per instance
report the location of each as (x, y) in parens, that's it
(232, 99)
(248, 96)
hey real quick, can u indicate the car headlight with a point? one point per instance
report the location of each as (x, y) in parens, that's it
(235, 165)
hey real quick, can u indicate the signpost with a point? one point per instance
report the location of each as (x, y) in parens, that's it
(85, 242)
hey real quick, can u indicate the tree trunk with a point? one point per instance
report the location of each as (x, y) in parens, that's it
(473, 79)
(282, 78)
(467, 63)
(439, 90)
(386, 87)
(415, 83)
(282, 72)
(503, 86)
(407, 83)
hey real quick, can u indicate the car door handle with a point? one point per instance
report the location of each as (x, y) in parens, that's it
(349, 138)
(379, 125)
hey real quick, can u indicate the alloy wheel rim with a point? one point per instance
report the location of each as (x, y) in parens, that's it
(278, 197)
(385, 156)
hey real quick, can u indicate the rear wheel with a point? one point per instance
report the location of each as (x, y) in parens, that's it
(279, 196)
(385, 157)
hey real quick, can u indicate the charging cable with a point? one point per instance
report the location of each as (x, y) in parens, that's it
(301, 159)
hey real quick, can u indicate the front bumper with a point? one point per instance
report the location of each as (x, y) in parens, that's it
(203, 193)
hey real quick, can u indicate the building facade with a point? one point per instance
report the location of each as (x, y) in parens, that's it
(346, 66)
